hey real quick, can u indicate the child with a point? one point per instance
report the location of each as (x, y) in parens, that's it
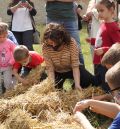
(11, 35)
(6, 58)
(107, 35)
(106, 108)
(112, 56)
(27, 60)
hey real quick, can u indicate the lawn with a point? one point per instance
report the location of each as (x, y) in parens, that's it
(85, 47)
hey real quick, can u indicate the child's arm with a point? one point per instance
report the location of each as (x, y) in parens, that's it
(19, 78)
(81, 118)
(105, 108)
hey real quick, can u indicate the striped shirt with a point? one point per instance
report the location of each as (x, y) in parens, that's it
(63, 60)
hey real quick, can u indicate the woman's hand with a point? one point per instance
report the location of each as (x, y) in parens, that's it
(27, 5)
(80, 106)
(78, 87)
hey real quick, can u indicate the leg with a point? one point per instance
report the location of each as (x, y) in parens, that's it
(86, 78)
(18, 36)
(28, 39)
(60, 78)
(8, 78)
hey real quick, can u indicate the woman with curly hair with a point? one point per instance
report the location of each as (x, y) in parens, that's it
(21, 24)
(61, 55)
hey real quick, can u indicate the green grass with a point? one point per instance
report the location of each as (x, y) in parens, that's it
(84, 45)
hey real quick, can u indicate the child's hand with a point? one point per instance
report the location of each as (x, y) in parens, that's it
(24, 81)
(88, 40)
(98, 51)
(81, 105)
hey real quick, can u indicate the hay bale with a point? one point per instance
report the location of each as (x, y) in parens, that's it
(33, 77)
(19, 119)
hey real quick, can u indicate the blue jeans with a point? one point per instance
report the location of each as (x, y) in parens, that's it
(72, 28)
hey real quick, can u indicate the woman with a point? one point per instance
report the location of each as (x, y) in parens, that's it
(61, 55)
(21, 24)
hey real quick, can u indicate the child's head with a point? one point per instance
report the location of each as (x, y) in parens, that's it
(113, 79)
(21, 55)
(112, 56)
(105, 9)
(3, 31)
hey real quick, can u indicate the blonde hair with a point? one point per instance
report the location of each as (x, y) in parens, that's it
(113, 75)
(3, 28)
(112, 56)
(21, 52)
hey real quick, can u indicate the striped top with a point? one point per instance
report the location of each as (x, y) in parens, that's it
(63, 60)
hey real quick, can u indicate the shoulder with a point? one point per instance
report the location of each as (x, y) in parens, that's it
(35, 56)
(112, 26)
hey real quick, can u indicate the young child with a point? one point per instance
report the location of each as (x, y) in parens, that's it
(107, 35)
(106, 108)
(25, 60)
(11, 35)
(112, 56)
(6, 58)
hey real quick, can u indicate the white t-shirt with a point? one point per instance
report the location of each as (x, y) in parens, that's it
(21, 20)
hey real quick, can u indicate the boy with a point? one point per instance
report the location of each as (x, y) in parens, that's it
(108, 109)
(112, 56)
(25, 60)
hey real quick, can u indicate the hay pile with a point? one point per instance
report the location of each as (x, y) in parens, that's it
(40, 106)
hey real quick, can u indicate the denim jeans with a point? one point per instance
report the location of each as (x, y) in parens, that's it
(72, 28)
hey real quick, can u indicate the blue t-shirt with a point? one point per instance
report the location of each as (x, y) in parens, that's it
(116, 123)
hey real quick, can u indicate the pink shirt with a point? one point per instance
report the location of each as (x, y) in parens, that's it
(6, 53)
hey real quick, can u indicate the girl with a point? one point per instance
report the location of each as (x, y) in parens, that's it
(6, 57)
(107, 35)
(21, 24)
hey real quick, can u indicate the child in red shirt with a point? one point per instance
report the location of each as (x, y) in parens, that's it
(25, 61)
(108, 34)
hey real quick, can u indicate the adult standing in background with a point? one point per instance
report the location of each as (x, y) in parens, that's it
(91, 17)
(21, 24)
(62, 12)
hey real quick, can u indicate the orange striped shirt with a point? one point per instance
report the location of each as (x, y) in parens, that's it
(63, 60)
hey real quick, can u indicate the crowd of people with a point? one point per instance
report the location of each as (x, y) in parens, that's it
(62, 53)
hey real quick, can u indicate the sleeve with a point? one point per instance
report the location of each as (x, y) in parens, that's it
(74, 54)
(91, 5)
(12, 47)
(48, 60)
(9, 12)
(39, 59)
(116, 122)
(33, 12)
(114, 32)
(12, 37)
(17, 66)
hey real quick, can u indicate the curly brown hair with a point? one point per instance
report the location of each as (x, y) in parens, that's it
(57, 33)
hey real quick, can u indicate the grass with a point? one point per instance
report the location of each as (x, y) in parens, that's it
(85, 47)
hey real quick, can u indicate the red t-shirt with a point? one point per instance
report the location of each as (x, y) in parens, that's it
(108, 34)
(36, 59)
